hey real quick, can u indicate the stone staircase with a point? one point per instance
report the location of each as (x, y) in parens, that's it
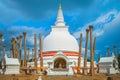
(59, 72)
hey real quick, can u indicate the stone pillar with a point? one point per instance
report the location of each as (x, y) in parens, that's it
(35, 52)
(91, 53)
(41, 58)
(11, 53)
(20, 37)
(25, 56)
(13, 47)
(98, 61)
(38, 53)
(94, 45)
(115, 50)
(32, 54)
(4, 52)
(99, 58)
(104, 54)
(23, 63)
(0, 39)
(108, 52)
(16, 48)
(79, 55)
(28, 54)
(86, 51)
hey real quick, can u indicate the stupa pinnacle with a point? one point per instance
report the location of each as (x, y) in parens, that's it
(60, 17)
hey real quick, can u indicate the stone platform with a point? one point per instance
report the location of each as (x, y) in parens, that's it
(60, 72)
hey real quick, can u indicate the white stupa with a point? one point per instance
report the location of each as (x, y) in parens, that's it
(60, 49)
(60, 39)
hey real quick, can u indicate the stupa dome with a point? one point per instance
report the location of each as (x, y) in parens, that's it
(60, 39)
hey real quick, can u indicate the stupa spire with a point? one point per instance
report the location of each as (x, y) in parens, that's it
(60, 17)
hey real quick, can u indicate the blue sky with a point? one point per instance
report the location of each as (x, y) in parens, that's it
(37, 16)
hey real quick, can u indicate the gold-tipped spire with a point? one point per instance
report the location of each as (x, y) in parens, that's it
(60, 6)
(60, 17)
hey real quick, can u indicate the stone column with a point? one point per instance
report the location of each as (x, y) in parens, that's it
(25, 56)
(108, 52)
(23, 63)
(35, 54)
(94, 45)
(98, 61)
(17, 47)
(99, 58)
(0, 39)
(32, 54)
(91, 52)
(104, 54)
(86, 51)
(38, 52)
(13, 47)
(11, 53)
(4, 52)
(28, 54)
(41, 58)
(20, 37)
(79, 55)
(16, 50)
(115, 50)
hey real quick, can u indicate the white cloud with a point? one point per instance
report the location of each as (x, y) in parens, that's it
(106, 17)
(99, 24)
(3, 39)
(114, 24)
(30, 32)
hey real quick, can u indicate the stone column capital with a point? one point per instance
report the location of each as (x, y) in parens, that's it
(32, 49)
(13, 39)
(20, 36)
(108, 48)
(24, 33)
(90, 27)
(10, 48)
(115, 46)
(28, 48)
(87, 30)
(4, 46)
(0, 35)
